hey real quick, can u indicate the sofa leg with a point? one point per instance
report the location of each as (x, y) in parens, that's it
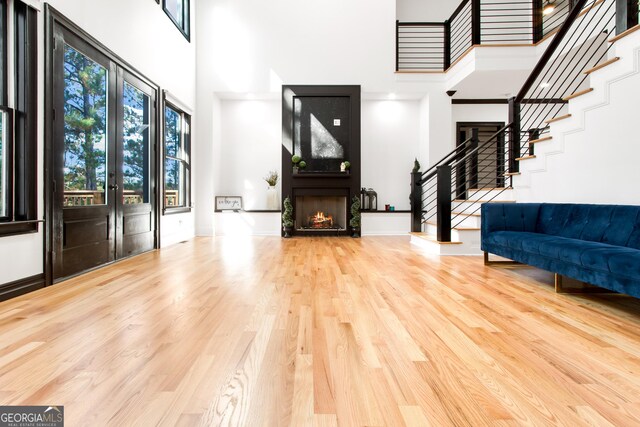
(582, 288)
(487, 262)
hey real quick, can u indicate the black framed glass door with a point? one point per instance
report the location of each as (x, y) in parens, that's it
(136, 203)
(104, 132)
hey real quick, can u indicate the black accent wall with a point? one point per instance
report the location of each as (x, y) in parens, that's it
(310, 129)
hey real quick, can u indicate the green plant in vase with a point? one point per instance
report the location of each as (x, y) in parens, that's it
(272, 178)
(295, 160)
(287, 217)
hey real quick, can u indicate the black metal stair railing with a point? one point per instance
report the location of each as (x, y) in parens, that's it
(560, 75)
(420, 46)
(446, 192)
(435, 46)
(442, 190)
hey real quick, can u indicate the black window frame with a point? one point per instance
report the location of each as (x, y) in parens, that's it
(185, 160)
(186, 18)
(22, 119)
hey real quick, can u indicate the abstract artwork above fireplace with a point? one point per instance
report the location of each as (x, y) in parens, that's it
(321, 131)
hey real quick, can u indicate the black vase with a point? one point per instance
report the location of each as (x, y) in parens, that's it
(288, 231)
(355, 232)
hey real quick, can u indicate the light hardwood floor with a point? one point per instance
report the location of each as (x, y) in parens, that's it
(320, 331)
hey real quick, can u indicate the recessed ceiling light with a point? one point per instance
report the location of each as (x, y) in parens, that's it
(392, 95)
(545, 84)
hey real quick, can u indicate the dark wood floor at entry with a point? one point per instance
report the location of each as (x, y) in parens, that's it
(320, 331)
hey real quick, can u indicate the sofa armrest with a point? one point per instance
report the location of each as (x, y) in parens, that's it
(509, 217)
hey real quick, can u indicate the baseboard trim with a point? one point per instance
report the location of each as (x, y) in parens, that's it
(21, 287)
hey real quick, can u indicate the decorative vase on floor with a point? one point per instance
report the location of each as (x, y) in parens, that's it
(272, 198)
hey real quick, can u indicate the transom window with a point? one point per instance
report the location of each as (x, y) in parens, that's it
(178, 11)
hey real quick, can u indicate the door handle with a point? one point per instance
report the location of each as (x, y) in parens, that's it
(113, 187)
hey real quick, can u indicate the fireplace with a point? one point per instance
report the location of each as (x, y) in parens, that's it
(321, 213)
(321, 126)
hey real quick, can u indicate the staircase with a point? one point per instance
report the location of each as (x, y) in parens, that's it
(601, 126)
(446, 199)
(465, 235)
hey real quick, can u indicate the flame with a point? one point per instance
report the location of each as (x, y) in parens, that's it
(320, 220)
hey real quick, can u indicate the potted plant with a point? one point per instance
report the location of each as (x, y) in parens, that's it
(295, 160)
(344, 166)
(272, 192)
(287, 218)
(416, 166)
(354, 222)
(302, 164)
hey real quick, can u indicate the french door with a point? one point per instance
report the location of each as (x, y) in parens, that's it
(103, 191)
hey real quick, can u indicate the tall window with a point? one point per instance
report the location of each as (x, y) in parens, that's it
(177, 159)
(18, 145)
(178, 11)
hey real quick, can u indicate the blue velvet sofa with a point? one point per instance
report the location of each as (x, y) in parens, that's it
(596, 244)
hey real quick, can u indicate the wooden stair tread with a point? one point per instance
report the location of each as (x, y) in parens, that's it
(435, 224)
(491, 189)
(577, 94)
(525, 158)
(557, 119)
(535, 141)
(624, 34)
(433, 238)
(602, 65)
(511, 174)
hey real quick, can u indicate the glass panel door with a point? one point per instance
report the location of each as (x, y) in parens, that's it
(84, 177)
(135, 166)
(136, 140)
(85, 130)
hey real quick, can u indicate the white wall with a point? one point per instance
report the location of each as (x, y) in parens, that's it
(255, 46)
(142, 34)
(251, 136)
(390, 143)
(425, 10)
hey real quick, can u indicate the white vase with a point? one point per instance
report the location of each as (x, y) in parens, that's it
(273, 203)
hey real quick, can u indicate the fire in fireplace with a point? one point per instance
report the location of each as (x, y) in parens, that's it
(320, 220)
(321, 213)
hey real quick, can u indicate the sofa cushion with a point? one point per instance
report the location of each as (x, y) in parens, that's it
(590, 255)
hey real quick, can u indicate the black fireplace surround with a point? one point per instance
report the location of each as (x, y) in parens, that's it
(321, 124)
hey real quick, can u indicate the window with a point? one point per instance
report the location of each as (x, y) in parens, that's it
(178, 11)
(18, 177)
(177, 153)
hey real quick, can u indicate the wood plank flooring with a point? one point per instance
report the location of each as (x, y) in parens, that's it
(262, 331)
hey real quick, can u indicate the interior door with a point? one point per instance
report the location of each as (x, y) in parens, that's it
(482, 170)
(84, 184)
(104, 193)
(136, 224)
